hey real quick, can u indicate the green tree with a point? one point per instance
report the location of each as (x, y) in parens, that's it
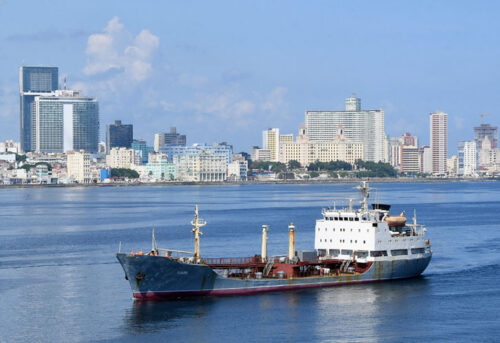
(294, 164)
(124, 172)
(314, 174)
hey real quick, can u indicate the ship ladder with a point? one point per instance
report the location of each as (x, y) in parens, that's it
(345, 265)
(268, 268)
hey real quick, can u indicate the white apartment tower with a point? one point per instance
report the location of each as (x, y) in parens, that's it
(271, 141)
(360, 126)
(439, 141)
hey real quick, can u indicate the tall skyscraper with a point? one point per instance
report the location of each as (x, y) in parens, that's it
(439, 141)
(486, 130)
(360, 126)
(33, 81)
(119, 135)
(171, 138)
(63, 121)
(271, 141)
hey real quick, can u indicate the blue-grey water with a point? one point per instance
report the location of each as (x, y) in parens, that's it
(60, 281)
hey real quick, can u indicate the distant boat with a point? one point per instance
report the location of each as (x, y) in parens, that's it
(352, 245)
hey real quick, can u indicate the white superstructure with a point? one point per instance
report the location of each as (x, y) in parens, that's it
(364, 235)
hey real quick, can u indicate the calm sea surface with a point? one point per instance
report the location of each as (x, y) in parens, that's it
(60, 281)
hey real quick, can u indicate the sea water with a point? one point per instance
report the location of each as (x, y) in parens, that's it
(60, 281)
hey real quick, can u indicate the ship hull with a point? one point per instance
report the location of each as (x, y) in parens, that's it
(154, 278)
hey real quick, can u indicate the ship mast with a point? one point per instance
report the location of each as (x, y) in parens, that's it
(197, 223)
(365, 191)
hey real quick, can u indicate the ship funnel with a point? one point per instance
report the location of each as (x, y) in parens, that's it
(291, 243)
(263, 254)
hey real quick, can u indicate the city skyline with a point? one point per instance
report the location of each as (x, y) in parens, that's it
(155, 73)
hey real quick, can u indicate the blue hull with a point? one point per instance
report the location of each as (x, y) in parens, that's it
(156, 277)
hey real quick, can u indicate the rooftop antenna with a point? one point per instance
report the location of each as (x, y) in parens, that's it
(482, 117)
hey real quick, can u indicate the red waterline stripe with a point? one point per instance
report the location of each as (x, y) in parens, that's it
(247, 291)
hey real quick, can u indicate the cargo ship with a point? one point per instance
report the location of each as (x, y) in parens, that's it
(352, 245)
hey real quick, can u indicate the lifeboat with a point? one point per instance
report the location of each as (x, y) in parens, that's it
(396, 221)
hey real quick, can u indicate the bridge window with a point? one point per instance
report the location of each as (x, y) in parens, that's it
(399, 252)
(378, 253)
(418, 250)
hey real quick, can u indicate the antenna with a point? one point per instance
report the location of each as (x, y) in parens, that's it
(484, 115)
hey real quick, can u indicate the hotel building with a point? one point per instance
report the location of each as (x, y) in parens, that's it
(364, 127)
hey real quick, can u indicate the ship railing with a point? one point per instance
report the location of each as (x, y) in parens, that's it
(174, 252)
(225, 261)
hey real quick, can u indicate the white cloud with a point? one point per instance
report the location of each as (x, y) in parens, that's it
(235, 109)
(275, 102)
(227, 105)
(193, 81)
(117, 50)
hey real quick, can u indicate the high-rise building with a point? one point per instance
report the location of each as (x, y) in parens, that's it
(410, 159)
(63, 120)
(119, 135)
(141, 147)
(394, 147)
(486, 130)
(467, 158)
(271, 141)
(439, 141)
(426, 159)
(409, 140)
(171, 138)
(360, 126)
(33, 81)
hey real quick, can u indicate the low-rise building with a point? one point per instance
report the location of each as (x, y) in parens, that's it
(121, 158)
(204, 166)
(258, 154)
(78, 166)
(10, 146)
(307, 152)
(160, 169)
(237, 171)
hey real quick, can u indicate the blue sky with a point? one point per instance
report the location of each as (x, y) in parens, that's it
(226, 70)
